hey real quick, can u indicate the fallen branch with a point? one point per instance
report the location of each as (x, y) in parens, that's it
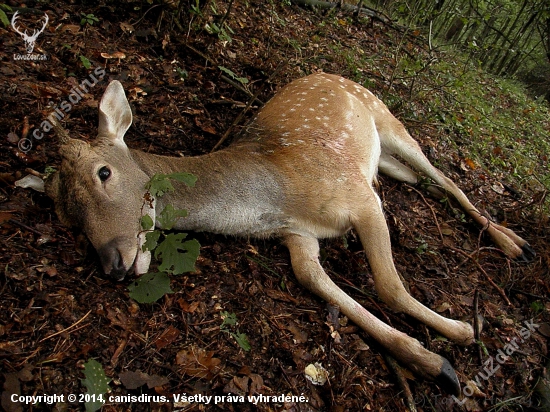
(477, 326)
(240, 87)
(252, 100)
(433, 214)
(489, 278)
(402, 380)
(376, 15)
(24, 226)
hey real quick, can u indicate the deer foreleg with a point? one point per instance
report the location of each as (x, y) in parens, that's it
(304, 254)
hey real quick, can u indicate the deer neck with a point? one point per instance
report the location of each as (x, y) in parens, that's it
(236, 193)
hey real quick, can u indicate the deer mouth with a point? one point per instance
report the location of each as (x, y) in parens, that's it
(140, 265)
(143, 258)
(122, 255)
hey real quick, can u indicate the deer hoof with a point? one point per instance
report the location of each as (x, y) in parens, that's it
(528, 254)
(447, 379)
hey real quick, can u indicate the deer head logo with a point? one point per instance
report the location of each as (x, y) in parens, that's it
(29, 40)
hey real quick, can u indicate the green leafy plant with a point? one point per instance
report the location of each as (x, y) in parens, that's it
(177, 255)
(3, 17)
(196, 9)
(150, 287)
(184, 74)
(242, 80)
(221, 31)
(422, 247)
(88, 19)
(85, 62)
(97, 384)
(537, 306)
(230, 322)
(160, 183)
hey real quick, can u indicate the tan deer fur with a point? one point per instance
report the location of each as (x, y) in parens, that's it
(302, 170)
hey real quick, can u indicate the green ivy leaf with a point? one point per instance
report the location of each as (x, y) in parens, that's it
(151, 240)
(150, 287)
(146, 222)
(173, 260)
(160, 183)
(97, 384)
(168, 217)
(188, 178)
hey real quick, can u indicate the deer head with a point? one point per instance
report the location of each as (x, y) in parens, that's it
(99, 188)
(29, 40)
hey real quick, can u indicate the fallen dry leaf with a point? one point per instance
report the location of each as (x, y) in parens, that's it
(198, 363)
(167, 337)
(136, 379)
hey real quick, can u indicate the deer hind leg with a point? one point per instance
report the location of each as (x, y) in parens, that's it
(373, 231)
(304, 254)
(393, 168)
(398, 142)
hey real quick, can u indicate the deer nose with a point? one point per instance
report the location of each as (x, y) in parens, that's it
(118, 271)
(112, 261)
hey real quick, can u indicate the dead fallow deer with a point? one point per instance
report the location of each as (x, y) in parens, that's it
(303, 169)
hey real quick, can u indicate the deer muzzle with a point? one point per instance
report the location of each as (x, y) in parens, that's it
(118, 257)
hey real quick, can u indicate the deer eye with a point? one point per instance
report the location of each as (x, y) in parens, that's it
(104, 173)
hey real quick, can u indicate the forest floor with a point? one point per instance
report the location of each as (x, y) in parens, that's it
(58, 310)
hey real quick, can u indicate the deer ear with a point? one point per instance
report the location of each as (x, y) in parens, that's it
(115, 115)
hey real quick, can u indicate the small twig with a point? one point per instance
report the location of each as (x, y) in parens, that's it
(66, 329)
(120, 348)
(538, 198)
(201, 54)
(433, 213)
(477, 329)
(409, 399)
(144, 14)
(388, 321)
(240, 87)
(477, 252)
(25, 131)
(288, 380)
(224, 18)
(243, 112)
(481, 232)
(34, 172)
(24, 226)
(543, 298)
(491, 281)
(358, 9)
